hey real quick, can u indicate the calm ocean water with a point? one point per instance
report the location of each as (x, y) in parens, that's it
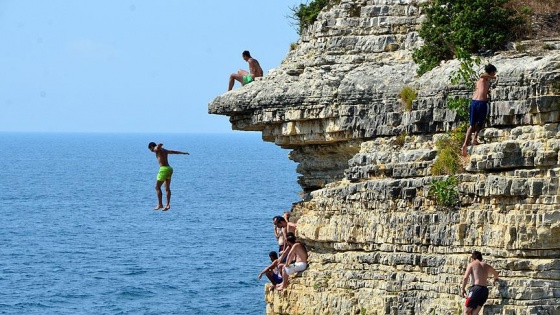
(79, 236)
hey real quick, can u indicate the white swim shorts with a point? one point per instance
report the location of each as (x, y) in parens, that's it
(296, 267)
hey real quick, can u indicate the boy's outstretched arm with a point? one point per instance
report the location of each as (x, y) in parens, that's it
(269, 267)
(177, 152)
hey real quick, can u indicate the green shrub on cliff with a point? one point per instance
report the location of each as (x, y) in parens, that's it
(461, 106)
(469, 69)
(306, 14)
(400, 139)
(407, 96)
(473, 25)
(444, 192)
(448, 160)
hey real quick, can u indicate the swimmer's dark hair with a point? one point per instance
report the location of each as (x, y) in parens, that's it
(291, 238)
(246, 53)
(152, 145)
(273, 255)
(277, 219)
(489, 68)
(290, 234)
(476, 255)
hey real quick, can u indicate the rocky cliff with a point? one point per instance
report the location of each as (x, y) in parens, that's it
(379, 243)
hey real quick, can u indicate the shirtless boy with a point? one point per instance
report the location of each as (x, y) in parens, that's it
(165, 172)
(298, 252)
(285, 226)
(272, 271)
(478, 294)
(479, 106)
(243, 76)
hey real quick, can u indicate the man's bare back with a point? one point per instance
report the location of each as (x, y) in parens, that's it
(300, 252)
(482, 87)
(291, 227)
(254, 68)
(479, 272)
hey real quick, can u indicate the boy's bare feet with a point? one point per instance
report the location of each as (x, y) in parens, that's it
(464, 150)
(158, 207)
(166, 208)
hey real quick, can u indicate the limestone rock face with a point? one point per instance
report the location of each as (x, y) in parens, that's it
(378, 242)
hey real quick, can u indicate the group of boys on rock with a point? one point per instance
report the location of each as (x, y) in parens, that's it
(293, 254)
(478, 109)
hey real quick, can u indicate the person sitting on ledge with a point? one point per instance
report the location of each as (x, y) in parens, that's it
(298, 252)
(272, 271)
(243, 76)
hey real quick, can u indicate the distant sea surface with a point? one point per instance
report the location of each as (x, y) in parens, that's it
(78, 234)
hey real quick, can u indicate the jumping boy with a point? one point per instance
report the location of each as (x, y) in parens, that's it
(479, 106)
(165, 172)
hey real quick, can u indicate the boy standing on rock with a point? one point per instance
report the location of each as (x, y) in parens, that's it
(479, 106)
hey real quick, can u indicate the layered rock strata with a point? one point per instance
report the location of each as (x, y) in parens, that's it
(378, 242)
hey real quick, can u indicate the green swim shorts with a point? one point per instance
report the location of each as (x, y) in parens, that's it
(165, 173)
(247, 79)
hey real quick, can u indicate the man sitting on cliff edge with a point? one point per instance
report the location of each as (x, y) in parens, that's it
(243, 76)
(300, 252)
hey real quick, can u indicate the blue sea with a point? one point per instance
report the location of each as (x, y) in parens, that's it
(79, 236)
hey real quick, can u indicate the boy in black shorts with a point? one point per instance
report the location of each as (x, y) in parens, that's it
(478, 293)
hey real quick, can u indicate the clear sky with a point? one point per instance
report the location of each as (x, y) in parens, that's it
(130, 66)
